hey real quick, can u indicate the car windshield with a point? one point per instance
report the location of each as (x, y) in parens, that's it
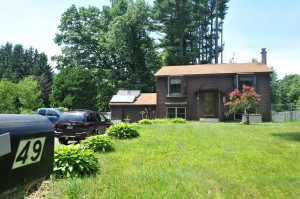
(65, 117)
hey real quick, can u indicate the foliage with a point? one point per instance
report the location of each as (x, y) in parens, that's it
(9, 102)
(189, 29)
(113, 43)
(16, 63)
(133, 49)
(196, 160)
(122, 131)
(29, 95)
(22, 97)
(289, 89)
(81, 36)
(98, 143)
(161, 120)
(298, 103)
(74, 88)
(245, 101)
(178, 120)
(74, 161)
(274, 86)
(145, 121)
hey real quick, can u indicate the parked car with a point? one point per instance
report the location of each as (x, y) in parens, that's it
(51, 113)
(106, 114)
(80, 124)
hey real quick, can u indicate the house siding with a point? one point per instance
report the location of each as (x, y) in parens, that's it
(133, 113)
(161, 90)
(221, 85)
(264, 91)
(116, 112)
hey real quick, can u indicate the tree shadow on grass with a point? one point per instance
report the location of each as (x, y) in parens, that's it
(293, 136)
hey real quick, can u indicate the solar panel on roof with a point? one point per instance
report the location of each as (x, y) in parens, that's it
(135, 93)
(122, 99)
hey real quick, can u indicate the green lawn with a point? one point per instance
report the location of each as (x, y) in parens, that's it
(196, 160)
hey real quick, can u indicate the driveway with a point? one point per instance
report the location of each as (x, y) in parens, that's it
(56, 142)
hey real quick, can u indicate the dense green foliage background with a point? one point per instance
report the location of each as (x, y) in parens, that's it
(119, 46)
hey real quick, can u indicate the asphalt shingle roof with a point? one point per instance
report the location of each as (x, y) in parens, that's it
(206, 69)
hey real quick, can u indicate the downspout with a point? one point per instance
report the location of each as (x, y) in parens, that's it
(168, 86)
(219, 105)
(198, 107)
(237, 81)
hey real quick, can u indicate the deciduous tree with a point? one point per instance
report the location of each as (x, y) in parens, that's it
(74, 88)
(246, 100)
(29, 95)
(289, 89)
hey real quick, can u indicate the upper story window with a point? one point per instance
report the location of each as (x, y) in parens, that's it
(176, 86)
(248, 80)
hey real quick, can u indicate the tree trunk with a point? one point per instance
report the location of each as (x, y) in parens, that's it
(247, 117)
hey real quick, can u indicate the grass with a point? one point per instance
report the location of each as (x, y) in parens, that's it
(196, 160)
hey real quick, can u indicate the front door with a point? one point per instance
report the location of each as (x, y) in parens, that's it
(209, 104)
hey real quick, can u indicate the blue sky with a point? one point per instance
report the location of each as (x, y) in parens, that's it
(249, 26)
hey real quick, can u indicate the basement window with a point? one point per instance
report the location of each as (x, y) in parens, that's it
(176, 112)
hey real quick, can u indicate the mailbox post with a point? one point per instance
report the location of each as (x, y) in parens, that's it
(26, 151)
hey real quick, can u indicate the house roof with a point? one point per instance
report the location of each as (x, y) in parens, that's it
(142, 99)
(206, 69)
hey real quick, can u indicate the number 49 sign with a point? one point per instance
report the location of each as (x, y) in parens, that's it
(29, 151)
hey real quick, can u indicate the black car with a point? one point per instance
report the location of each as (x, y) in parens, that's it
(79, 124)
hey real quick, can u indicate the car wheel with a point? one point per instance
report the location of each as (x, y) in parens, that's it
(63, 141)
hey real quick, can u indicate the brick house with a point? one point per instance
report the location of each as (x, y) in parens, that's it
(199, 91)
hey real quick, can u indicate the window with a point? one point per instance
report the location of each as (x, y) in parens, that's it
(90, 118)
(51, 112)
(248, 80)
(174, 112)
(176, 86)
(42, 112)
(102, 118)
(245, 80)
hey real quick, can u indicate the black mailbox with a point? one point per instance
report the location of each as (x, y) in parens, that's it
(26, 150)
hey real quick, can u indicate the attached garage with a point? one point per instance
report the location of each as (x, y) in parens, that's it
(132, 106)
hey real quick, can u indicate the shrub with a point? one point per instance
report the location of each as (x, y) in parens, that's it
(178, 120)
(98, 143)
(122, 131)
(246, 100)
(161, 120)
(74, 161)
(145, 121)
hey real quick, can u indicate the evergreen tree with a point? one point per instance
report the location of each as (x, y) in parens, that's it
(16, 63)
(190, 37)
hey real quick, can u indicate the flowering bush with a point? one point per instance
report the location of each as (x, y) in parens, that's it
(245, 100)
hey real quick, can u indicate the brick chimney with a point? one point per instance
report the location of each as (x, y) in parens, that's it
(263, 56)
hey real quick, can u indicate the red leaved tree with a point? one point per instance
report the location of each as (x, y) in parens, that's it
(245, 100)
